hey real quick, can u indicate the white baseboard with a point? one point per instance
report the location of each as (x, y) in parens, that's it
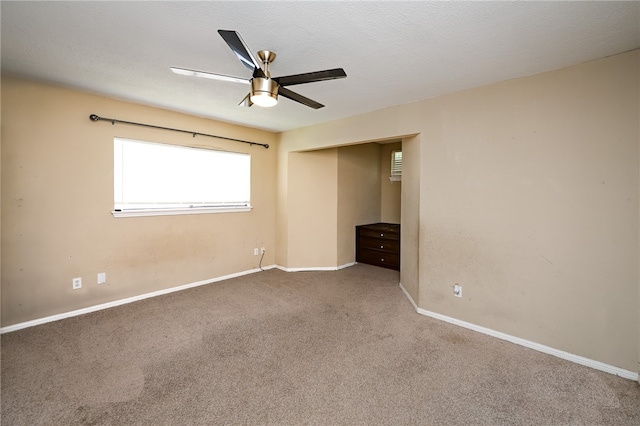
(406, 293)
(316, 268)
(346, 265)
(526, 343)
(115, 303)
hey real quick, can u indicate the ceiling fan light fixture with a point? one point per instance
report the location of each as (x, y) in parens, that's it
(264, 92)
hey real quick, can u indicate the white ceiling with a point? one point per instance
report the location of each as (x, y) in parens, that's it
(393, 52)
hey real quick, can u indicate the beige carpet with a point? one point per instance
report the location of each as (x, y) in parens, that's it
(324, 348)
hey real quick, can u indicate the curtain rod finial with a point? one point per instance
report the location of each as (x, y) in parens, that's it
(94, 117)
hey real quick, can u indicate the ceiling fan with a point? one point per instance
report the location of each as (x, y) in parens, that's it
(264, 88)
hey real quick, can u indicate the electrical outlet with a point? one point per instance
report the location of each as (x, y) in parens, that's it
(262, 250)
(255, 251)
(102, 277)
(76, 283)
(457, 290)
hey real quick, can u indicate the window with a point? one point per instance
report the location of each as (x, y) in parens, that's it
(396, 166)
(159, 179)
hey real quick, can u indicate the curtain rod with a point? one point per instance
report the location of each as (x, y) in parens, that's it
(94, 117)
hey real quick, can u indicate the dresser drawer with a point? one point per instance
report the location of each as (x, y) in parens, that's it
(378, 258)
(379, 234)
(379, 244)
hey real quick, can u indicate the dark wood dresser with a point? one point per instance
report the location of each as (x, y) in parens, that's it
(379, 244)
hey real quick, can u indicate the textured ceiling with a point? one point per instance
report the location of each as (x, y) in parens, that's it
(392, 52)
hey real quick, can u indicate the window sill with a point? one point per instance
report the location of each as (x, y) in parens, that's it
(175, 212)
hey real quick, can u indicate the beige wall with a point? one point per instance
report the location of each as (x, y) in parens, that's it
(282, 201)
(358, 195)
(528, 197)
(390, 192)
(410, 228)
(313, 201)
(0, 204)
(57, 195)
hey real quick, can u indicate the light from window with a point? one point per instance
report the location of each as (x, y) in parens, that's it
(171, 179)
(396, 166)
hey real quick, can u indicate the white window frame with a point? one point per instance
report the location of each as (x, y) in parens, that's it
(142, 200)
(396, 166)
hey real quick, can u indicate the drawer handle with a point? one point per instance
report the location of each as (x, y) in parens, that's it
(381, 260)
(381, 246)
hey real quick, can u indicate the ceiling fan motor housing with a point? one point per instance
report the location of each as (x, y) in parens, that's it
(262, 88)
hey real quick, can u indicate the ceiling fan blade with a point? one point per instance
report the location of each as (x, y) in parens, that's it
(246, 102)
(299, 98)
(310, 77)
(241, 50)
(203, 74)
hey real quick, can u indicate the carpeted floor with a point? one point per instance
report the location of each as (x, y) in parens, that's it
(324, 348)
